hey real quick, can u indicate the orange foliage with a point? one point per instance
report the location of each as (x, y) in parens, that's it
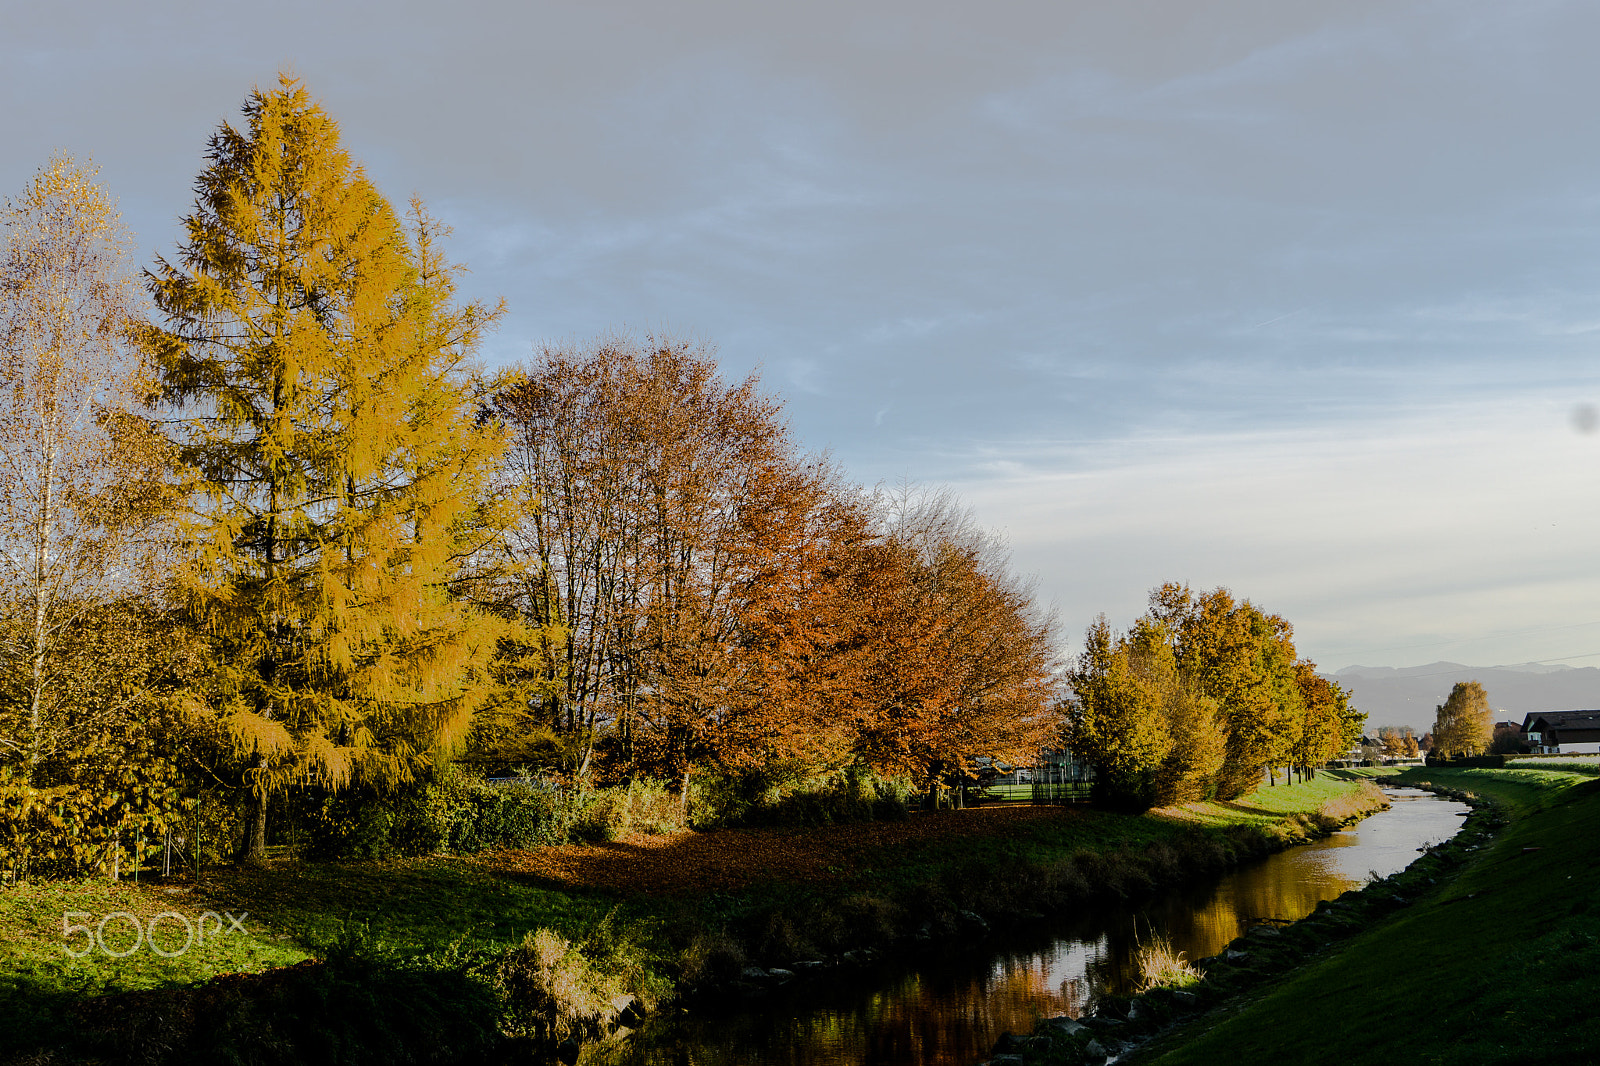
(708, 597)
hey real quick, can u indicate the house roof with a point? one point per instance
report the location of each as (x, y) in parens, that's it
(1564, 726)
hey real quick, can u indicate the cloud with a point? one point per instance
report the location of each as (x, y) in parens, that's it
(1454, 524)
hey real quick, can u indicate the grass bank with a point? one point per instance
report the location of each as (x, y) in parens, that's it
(678, 915)
(1484, 952)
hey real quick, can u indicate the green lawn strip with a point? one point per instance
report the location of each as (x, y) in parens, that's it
(1269, 803)
(1494, 967)
(405, 906)
(38, 978)
(35, 949)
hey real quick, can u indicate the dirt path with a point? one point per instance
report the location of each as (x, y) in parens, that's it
(734, 858)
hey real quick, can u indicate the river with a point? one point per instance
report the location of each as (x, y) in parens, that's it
(948, 1010)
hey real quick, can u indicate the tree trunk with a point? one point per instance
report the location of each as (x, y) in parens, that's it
(255, 841)
(39, 632)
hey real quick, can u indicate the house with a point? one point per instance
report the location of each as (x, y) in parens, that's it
(1562, 732)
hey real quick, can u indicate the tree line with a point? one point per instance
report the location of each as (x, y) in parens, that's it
(1202, 697)
(266, 525)
(280, 531)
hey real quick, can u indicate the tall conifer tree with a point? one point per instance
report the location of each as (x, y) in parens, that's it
(312, 342)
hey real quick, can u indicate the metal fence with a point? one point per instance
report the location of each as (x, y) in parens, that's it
(1062, 777)
(1057, 777)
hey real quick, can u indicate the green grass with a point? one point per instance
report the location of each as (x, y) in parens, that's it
(38, 977)
(1495, 967)
(407, 905)
(1270, 803)
(35, 951)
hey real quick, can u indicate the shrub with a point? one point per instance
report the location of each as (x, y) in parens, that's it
(1160, 966)
(713, 957)
(451, 813)
(786, 794)
(641, 805)
(551, 991)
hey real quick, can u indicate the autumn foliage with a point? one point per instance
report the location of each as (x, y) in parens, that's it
(705, 596)
(1464, 724)
(1202, 698)
(335, 554)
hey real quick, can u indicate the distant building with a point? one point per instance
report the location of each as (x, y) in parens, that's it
(1562, 732)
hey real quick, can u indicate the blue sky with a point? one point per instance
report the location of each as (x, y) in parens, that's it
(1296, 298)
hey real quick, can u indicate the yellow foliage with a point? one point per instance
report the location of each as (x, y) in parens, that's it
(312, 338)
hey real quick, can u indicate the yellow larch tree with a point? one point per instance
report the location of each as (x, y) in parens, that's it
(319, 366)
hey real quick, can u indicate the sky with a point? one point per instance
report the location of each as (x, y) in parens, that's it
(1302, 299)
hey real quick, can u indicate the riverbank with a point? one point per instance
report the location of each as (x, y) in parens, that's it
(1483, 951)
(680, 916)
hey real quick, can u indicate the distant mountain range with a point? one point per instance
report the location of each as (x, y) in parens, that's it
(1408, 696)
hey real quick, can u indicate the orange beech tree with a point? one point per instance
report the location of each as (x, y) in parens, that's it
(705, 596)
(950, 660)
(671, 549)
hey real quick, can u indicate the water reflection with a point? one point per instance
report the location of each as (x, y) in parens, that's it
(950, 1011)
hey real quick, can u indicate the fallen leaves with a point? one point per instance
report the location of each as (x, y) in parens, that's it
(729, 859)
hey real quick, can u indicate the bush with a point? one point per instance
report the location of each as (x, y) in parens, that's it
(713, 957)
(643, 805)
(1476, 762)
(451, 813)
(551, 990)
(789, 795)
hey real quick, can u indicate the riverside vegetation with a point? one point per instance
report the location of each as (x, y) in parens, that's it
(471, 949)
(1481, 951)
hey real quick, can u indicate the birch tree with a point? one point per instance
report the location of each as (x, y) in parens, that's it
(81, 474)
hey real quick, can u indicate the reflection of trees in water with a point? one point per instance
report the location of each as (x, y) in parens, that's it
(951, 1015)
(951, 1012)
(938, 1018)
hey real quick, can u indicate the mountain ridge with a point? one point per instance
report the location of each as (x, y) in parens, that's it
(1408, 695)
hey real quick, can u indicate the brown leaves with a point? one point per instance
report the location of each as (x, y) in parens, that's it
(679, 543)
(730, 859)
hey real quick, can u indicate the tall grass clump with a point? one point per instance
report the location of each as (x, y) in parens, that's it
(641, 805)
(550, 990)
(1162, 966)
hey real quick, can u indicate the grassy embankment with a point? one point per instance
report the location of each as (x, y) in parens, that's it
(450, 914)
(1495, 964)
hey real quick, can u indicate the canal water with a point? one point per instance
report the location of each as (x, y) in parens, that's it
(949, 1009)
